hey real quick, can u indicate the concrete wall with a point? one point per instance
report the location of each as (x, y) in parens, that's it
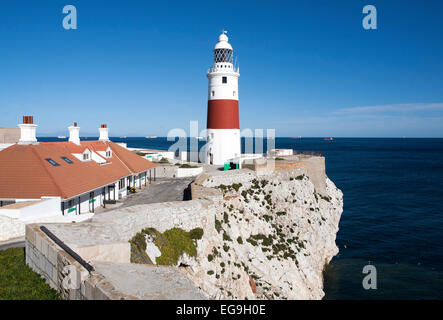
(63, 273)
(188, 172)
(11, 228)
(9, 135)
(104, 239)
(108, 281)
(13, 221)
(166, 171)
(47, 207)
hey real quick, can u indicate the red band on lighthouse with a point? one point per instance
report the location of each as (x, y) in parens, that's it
(223, 114)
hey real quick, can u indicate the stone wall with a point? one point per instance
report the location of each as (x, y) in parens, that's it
(11, 228)
(103, 242)
(62, 272)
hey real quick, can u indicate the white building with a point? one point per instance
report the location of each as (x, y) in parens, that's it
(82, 174)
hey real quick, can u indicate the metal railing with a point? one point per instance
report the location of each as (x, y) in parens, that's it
(68, 250)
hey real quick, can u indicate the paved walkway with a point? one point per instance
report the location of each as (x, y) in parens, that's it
(163, 190)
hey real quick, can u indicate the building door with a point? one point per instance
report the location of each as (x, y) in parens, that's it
(91, 201)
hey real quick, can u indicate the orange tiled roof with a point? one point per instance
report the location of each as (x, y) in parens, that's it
(134, 162)
(25, 174)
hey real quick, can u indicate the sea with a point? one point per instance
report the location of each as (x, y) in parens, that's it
(392, 218)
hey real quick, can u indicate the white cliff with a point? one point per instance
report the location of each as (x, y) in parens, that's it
(266, 237)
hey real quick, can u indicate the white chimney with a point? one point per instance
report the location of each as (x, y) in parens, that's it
(103, 133)
(27, 131)
(74, 134)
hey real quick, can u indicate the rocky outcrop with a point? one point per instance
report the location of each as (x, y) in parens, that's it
(265, 237)
(242, 236)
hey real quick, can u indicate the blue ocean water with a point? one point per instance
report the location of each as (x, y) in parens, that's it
(392, 214)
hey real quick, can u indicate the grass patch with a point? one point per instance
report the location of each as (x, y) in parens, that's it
(188, 166)
(141, 154)
(19, 282)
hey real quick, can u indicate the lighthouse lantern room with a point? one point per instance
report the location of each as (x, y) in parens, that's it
(223, 127)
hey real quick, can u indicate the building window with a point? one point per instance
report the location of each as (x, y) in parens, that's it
(224, 79)
(212, 93)
(121, 183)
(67, 160)
(85, 156)
(108, 154)
(55, 164)
(234, 93)
(70, 203)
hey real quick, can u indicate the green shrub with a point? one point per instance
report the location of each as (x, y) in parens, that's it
(188, 166)
(140, 241)
(196, 233)
(240, 240)
(236, 186)
(225, 217)
(172, 243)
(226, 237)
(218, 225)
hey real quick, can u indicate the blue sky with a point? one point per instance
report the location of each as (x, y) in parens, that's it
(308, 68)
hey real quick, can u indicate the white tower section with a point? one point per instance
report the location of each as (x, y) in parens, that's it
(27, 131)
(223, 127)
(74, 134)
(104, 133)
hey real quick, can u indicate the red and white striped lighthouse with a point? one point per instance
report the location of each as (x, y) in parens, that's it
(223, 126)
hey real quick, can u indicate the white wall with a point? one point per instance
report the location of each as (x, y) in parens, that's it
(188, 172)
(47, 207)
(280, 152)
(224, 144)
(13, 221)
(11, 228)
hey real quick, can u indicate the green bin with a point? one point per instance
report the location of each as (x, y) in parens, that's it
(227, 166)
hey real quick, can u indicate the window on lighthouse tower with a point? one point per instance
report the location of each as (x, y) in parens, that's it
(225, 80)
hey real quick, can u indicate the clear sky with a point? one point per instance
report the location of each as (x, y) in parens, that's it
(308, 68)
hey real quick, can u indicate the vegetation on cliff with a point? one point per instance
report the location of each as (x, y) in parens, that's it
(172, 243)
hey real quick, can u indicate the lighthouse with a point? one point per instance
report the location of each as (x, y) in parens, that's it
(223, 126)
